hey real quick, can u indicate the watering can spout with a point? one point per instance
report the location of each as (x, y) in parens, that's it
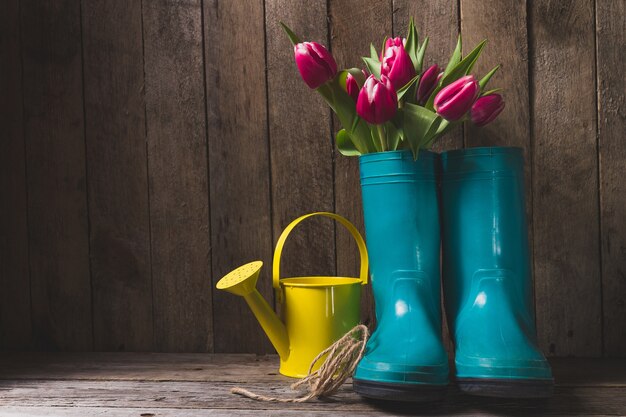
(242, 282)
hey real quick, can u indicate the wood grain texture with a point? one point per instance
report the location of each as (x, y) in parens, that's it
(611, 60)
(159, 197)
(117, 175)
(300, 142)
(439, 20)
(351, 37)
(234, 368)
(565, 178)
(177, 160)
(137, 382)
(241, 226)
(148, 411)
(567, 401)
(55, 160)
(15, 321)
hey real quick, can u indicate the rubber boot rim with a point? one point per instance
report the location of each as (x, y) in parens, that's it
(507, 388)
(388, 391)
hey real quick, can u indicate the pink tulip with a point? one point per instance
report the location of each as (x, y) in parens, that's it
(486, 108)
(352, 87)
(453, 101)
(428, 82)
(394, 42)
(377, 102)
(396, 63)
(316, 65)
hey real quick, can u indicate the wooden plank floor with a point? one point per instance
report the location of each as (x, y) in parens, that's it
(151, 384)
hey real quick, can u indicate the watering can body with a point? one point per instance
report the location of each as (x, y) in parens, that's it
(318, 310)
(405, 358)
(486, 272)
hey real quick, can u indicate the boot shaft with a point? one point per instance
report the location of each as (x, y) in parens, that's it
(401, 212)
(486, 274)
(484, 223)
(405, 357)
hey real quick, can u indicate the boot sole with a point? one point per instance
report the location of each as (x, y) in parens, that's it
(507, 388)
(399, 392)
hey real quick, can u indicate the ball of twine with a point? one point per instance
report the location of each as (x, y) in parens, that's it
(343, 356)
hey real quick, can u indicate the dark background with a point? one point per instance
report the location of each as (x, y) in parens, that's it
(147, 148)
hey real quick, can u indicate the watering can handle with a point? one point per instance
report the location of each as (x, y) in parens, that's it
(353, 231)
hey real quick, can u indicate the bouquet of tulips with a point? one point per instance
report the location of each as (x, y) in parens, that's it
(393, 104)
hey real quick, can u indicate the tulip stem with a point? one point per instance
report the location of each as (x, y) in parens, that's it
(383, 137)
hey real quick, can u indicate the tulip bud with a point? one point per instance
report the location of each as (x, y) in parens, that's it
(377, 102)
(352, 87)
(396, 64)
(428, 82)
(395, 42)
(316, 65)
(453, 101)
(486, 108)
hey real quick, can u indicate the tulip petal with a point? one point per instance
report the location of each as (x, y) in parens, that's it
(455, 100)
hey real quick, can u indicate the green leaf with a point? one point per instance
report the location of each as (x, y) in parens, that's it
(373, 54)
(403, 90)
(417, 122)
(343, 105)
(355, 72)
(465, 66)
(492, 91)
(455, 58)
(442, 127)
(393, 136)
(412, 45)
(373, 66)
(292, 36)
(345, 145)
(461, 69)
(420, 55)
(483, 82)
(361, 129)
(376, 139)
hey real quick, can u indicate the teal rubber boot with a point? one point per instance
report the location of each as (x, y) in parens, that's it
(486, 275)
(404, 359)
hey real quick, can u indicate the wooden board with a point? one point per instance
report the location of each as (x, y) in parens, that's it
(241, 225)
(565, 178)
(177, 160)
(217, 396)
(611, 38)
(158, 206)
(235, 368)
(350, 41)
(439, 21)
(15, 322)
(301, 148)
(37, 384)
(117, 176)
(55, 161)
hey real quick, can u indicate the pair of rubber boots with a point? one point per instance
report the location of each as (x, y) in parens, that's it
(478, 194)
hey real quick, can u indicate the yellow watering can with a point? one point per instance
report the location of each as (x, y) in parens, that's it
(318, 310)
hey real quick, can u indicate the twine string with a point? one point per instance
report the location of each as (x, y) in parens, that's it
(343, 356)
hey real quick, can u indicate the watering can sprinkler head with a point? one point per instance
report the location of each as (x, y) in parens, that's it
(241, 281)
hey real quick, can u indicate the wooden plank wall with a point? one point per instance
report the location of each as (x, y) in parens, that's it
(147, 148)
